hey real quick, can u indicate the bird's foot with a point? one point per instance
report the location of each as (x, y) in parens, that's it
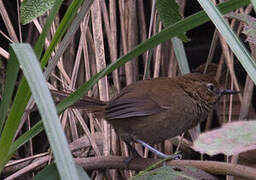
(171, 157)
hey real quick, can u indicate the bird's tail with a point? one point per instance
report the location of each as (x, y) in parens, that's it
(89, 104)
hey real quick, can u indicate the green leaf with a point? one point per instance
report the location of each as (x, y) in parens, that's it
(40, 42)
(84, 9)
(36, 129)
(51, 173)
(45, 104)
(166, 172)
(23, 95)
(231, 139)
(11, 76)
(31, 9)
(170, 14)
(62, 28)
(13, 119)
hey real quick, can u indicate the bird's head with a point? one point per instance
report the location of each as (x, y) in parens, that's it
(211, 91)
(204, 89)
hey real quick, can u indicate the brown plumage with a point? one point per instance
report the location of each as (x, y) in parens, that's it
(158, 109)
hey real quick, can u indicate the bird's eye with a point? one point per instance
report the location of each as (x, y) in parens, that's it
(211, 87)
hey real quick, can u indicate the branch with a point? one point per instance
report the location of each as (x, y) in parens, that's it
(213, 167)
(117, 162)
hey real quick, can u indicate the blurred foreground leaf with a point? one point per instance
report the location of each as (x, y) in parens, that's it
(231, 139)
(50, 172)
(174, 172)
(37, 83)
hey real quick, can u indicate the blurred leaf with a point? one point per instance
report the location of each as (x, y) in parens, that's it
(169, 14)
(163, 173)
(37, 83)
(231, 139)
(23, 95)
(31, 9)
(50, 172)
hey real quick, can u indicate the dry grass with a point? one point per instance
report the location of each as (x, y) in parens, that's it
(108, 32)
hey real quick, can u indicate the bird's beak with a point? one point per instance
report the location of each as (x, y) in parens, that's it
(228, 91)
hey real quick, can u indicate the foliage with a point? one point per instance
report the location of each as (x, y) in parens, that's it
(11, 112)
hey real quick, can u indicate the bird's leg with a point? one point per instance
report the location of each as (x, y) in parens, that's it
(132, 154)
(153, 150)
(158, 153)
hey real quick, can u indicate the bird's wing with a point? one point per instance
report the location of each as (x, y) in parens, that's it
(132, 107)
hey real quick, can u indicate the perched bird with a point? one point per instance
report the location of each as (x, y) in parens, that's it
(151, 111)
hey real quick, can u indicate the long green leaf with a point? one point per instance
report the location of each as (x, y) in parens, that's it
(12, 73)
(23, 93)
(68, 37)
(36, 129)
(11, 123)
(40, 42)
(45, 104)
(62, 28)
(39, 126)
(236, 46)
(180, 55)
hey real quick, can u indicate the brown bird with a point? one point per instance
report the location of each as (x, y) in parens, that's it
(151, 111)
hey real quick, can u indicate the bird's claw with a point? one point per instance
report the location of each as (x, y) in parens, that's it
(171, 157)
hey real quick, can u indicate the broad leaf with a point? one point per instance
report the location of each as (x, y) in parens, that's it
(31, 9)
(231, 139)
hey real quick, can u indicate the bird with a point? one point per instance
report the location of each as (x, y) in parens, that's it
(153, 110)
